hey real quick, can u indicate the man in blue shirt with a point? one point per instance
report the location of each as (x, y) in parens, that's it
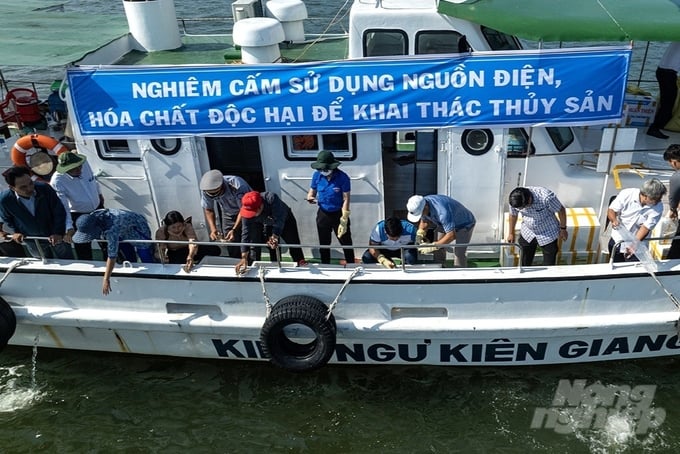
(540, 227)
(446, 216)
(330, 188)
(391, 233)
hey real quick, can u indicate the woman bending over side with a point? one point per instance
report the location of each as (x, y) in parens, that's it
(175, 227)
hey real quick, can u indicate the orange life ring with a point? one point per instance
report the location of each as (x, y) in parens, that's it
(26, 143)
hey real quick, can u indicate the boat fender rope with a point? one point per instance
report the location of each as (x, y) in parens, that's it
(334, 303)
(260, 273)
(12, 267)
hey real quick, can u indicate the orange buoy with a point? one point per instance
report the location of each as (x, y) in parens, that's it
(26, 143)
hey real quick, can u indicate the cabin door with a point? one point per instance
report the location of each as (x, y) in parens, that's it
(472, 170)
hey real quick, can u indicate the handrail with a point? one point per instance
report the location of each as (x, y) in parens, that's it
(501, 245)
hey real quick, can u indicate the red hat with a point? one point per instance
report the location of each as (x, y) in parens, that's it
(250, 203)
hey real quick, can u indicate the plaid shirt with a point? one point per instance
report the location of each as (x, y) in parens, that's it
(538, 219)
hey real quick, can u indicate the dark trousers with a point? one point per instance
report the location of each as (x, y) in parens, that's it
(326, 224)
(12, 249)
(529, 251)
(668, 91)
(289, 234)
(674, 250)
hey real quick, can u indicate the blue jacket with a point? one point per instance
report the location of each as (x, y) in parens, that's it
(50, 214)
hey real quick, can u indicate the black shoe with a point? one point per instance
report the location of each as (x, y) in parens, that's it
(655, 132)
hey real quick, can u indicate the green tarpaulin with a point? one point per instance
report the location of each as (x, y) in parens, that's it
(573, 20)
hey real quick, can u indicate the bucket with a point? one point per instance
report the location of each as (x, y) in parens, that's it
(28, 110)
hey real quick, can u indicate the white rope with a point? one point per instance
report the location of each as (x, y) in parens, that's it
(11, 268)
(356, 271)
(267, 303)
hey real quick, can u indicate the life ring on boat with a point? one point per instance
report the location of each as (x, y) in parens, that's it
(281, 347)
(8, 323)
(38, 162)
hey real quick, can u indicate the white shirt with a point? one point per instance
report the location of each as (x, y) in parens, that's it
(632, 214)
(78, 194)
(671, 58)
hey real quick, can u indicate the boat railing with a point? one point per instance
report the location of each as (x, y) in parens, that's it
(40, 243)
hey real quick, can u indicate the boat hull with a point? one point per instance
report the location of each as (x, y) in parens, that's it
(493, 317)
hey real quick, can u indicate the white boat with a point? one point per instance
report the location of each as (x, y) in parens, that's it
(492, 313)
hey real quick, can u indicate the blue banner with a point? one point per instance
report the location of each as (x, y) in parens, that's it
(521, 88)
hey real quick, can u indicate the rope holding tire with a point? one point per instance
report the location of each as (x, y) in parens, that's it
(8, 323)
(287, 352)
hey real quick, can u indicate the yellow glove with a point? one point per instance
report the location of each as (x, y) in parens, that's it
(342, 228)
(420, 236)
(384, 261)
(428, 249)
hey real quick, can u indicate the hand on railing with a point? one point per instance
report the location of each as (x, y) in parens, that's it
(428, 248)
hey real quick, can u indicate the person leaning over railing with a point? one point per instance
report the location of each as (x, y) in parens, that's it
(175, 227)
(638, 211)
(267, 215)
(114, 226)
(390, 234)
(540, 227)
(33, 209)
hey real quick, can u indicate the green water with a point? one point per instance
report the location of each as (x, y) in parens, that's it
(71, 401)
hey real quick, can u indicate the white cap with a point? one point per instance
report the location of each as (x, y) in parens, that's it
(415, 207)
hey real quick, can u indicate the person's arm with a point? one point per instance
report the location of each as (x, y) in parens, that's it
(106, 283)
(311, 195)
(642, 233)
(232, 232)
(447, 238)
(210, 218)
(613, 217)
(372, 251)
(562, 216)
(161, 248)
(512, 223)
(191, 237)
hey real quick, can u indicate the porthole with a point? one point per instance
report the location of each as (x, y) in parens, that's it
(167, 147)
(477, 141)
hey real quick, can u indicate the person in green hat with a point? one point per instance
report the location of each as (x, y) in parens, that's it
(330, 189)
(79, 191)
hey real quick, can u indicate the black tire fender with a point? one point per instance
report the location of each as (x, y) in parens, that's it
(285, 352)
(8, 323)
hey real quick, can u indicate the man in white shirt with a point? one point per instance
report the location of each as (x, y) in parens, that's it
(637, 211)
(79, 191)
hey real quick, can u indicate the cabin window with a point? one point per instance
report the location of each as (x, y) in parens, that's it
(561, 136)
(517, 143)
(440, 42)
(500, 41)
(477, 141)
(378, 43)
(307, 146)
(116, 149)
(167, 147)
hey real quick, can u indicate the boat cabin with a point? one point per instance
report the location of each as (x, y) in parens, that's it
(476, 165)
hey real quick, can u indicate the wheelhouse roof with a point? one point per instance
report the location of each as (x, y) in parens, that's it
(573, 20)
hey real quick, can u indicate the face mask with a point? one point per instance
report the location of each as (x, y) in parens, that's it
(325, 173)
